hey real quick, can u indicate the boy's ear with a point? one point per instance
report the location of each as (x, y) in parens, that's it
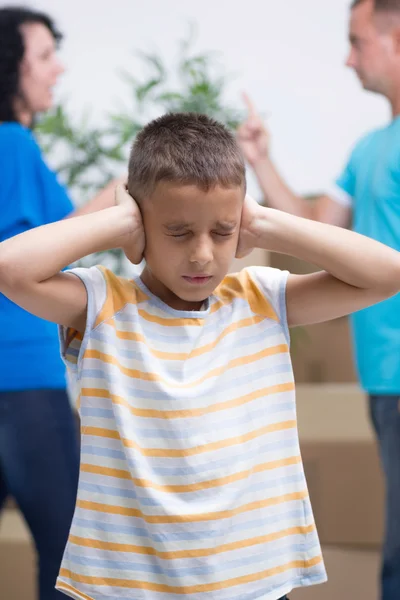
(122, 196)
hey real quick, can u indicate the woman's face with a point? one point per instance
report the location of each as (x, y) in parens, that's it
(39, 70)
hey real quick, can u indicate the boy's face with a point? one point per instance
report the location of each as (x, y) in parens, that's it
(191, 240)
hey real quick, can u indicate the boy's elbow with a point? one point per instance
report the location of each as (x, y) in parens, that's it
(5, 267)
(391, 283)
(10, 274)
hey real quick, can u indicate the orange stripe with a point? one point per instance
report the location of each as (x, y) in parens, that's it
(110, 321)
(195, 518)
(236, 362)
(120, 292)
(70, 335)
(242, 285)
(185, 414)
(183, 452)
(190, 487)
(218, 304)
(191, 589)
(61, 585)
(137, 337)
(99, 432)
(170, 322)
(194, 553)
(134, 373)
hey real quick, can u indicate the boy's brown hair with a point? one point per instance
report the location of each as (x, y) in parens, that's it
(187, 149)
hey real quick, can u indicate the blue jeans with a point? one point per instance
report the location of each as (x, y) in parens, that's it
(39, 465)
(385, 416)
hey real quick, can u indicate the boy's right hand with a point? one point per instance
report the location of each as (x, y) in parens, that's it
(252, 135)
(134, 241)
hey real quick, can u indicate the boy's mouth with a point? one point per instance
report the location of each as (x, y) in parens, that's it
(197, 279)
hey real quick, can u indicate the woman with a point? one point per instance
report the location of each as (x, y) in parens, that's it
(38, 443)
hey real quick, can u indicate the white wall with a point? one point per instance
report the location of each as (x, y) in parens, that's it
(288, 54)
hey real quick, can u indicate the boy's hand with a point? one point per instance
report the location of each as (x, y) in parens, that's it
(134, 240)
(252, 136)
(248, 235)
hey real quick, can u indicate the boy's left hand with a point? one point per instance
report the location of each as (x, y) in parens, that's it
(134, 241)
(248, 236)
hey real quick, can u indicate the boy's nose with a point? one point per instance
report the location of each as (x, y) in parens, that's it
(202, 253)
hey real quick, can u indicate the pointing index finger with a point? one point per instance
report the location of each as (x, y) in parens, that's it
(249, 105)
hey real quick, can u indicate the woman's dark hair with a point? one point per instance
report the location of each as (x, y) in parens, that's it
(12, 51)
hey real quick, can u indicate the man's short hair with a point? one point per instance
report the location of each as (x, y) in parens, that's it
(186, 149)
(381, 5)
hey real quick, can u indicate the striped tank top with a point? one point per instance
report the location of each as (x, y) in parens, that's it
(191, 481)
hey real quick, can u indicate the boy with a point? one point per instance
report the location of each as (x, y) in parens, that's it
(191, 479)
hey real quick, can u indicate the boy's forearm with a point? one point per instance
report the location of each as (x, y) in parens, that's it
(348, 256)
(40, 253)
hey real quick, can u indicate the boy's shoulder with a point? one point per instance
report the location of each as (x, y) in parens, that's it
(108, 293)
(263, 288)
(249, 278)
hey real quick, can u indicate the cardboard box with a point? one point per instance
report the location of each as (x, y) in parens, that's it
(17, 558)
(352, 575)
(342, 465)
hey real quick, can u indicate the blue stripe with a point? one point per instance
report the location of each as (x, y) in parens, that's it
(71, 351)
(277, 483)
(257, 487)
(108, 490)
(189, 431)
(187, 536)
(227, 343)
(103, 413)
(197, 469)
(287, 547)
(225, 384)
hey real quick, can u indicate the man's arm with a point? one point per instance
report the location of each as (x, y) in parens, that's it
(254, 141)
(278, 195)
(105, 198)
(356, 271)
(31, 263)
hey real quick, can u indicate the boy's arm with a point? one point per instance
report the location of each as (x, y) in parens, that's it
(357, 271)
(31, 263)
(254, 141)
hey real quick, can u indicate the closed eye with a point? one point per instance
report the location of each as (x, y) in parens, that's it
(186, 233)
(223, 234)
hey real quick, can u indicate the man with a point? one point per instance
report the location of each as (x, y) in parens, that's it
(366, 195)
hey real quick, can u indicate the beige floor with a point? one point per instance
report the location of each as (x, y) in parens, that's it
(352, 574)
